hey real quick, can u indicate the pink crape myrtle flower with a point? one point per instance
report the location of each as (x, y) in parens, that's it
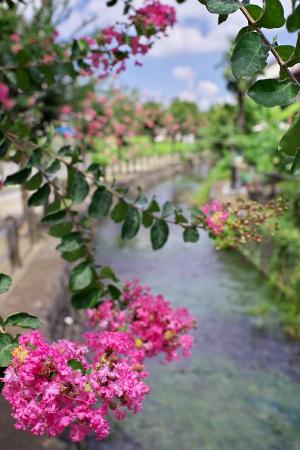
(48, 393)
(6, 102)
(216, 216)
(154, 324)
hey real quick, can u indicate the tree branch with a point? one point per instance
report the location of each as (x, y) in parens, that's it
(276, 55)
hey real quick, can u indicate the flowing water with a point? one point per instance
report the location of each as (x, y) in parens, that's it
(240, 390)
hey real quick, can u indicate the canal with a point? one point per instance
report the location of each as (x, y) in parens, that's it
(240, 390)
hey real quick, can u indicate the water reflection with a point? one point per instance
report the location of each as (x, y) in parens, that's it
(240, 389)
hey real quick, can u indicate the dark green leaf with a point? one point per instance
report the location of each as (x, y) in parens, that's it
(87, 299)
(51, 219)
(81, 277)
(249, 55)
(293, 20)
(23, 79)
(78, 188)
(154, 206)
(70, 243)
(271, 92)
(4, 146)
(285, 51)
(18, 177)
(222, 18)
(191, 235)
(101, 203)
(5, 283)
(168, 209)
(296, 163)
(147, 219)
(7, 345)
(141, 198)
(76, 365)
(114, 291)
(107, 272)
(119, 212)
(60, 229)
(131, 224)
(290, 141)
(222, 6)
(40, 197)
(54, 167)
(273, 15)
(255, 11)
(73, 256)
(34, 182)
(23, 320)
(295, 57)
(159, 234)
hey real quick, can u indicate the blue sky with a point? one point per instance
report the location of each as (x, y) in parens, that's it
(185, 63)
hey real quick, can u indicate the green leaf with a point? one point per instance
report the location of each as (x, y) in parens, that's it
(101, 203)
(40, 197)
(159, 234)
(70, 243)
(4, 146)
(141, 198)
(54, 167)
(23, 320)
(34, 182)
(255, 11)
(119, 212)
(271, 92)
(222, 18)
(285, 51)
(5, 283)
(222, 6)
(51, 219)
(81, 277)
(293, 20)
(18, 177)
(7, 345)
(23, 80)
(147, 219)
(107, 273)
(191, 235)
(295, 57)
(73, 256)
(131, 224)
(273, 15)
(249, 55)
(76, 365)
(114, 291)
(296, 164)
(241, 33)
(60, 229)
(154, 206)
(77, 188)
(168, 209)
(290, 141)
(87, 299)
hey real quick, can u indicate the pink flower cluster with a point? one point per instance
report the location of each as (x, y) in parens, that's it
(150, 319)
(51, 386)
(216, 216)
(6, 102)
(115, 44)
(156, 14)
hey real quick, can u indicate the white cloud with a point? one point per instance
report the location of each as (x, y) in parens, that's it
(207, 88)
(184, 73)
(188, 95)
(184, 39)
